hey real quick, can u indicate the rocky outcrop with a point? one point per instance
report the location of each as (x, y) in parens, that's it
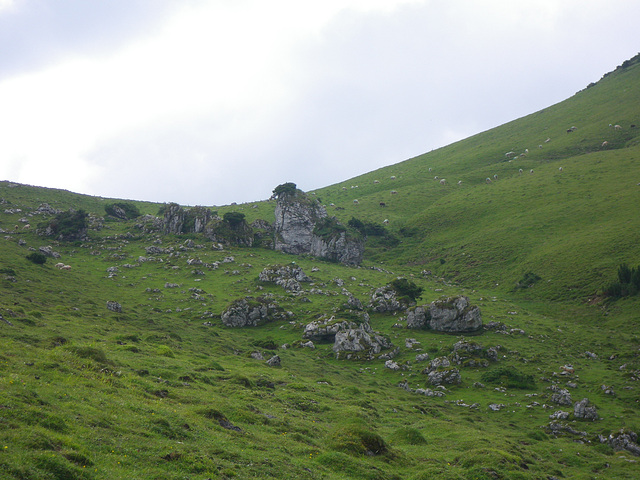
(440, 372)
(251, 312)
(584, 410)
(351, 339)
(339, 248)
(385, 299)
(185, 220)
(451, 315)
(287, 276)
(226, 234)
(302, 227)
(359, 342)
(114, 306)
(296, 217)
(623, 440)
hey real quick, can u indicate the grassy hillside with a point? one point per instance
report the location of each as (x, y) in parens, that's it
(549, 221)
(163, 390)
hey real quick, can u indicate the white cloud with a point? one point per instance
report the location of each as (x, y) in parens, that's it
(319, 91)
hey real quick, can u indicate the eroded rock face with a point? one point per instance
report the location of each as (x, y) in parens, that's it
(180, 220)
(296, 217)
(340, 248)
(251, 312)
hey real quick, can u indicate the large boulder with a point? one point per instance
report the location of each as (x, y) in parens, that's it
(451, 315)
(360, 342)
(251, 312)
(325, 330)
(584, 410)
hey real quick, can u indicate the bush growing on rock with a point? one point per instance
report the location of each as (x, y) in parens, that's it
(284, 190)
(67, 226)
(124, 211)
(407, 288)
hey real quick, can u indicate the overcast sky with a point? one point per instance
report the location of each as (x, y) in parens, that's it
(208, 102)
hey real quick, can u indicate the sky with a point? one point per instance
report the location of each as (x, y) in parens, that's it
(210, 102)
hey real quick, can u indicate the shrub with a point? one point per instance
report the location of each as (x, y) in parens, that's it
(37, 258)
(233, 218)
(358, 440)
(527, 280)
(70, 225)
(122, 210)
(509, 377)
(628, 283)
(406, 288)
(284, 190)
(328, 227)
(367, 228)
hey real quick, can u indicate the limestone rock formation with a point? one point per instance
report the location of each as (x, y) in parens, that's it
(338, 248)
(451, 315)
(185, 220)
(385, 299)
(251, 312)
(584, 410)
(296, 217)
(302, 227)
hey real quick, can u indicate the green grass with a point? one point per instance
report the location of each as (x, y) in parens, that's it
(162, 390)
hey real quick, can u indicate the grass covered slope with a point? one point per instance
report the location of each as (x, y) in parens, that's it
(163, 390)
(572, 227)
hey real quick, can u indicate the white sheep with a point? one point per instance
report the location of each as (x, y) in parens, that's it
(442, 181)
(393, 177)
(376, 181)
(459, 182)
(495, 177)
(65, 267)
(59, 265)
(547, 140)
(604, 144)
(385, 221)
(393, 192)
(531, 171)
(520, 172)
(560, 168)
(617, 127)
(488, 180)
(356, 202)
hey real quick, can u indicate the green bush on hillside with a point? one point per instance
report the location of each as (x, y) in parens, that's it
(69, 225)
(122, 210)
(407, 288)
(233, 218)
(509, 377)
(628, 283)
(37, 258)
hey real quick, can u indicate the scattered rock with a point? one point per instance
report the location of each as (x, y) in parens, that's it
(274, 361)
(250, 312)
(114, 306)
(584, 410)
(451, 315)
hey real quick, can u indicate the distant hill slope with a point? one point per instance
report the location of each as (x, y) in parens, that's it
(572, 221)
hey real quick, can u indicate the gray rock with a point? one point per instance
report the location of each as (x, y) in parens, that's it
(257, 356)
(417, 317)
(360, 340)
(496, 406)
(385, 299)
(274, 361)
(562, 396)
(114, 306)
(391, 365)
(584, 410)
(422, 357)
(251, 312)
(559, 415)
(296, 217)
(286, 276)
(623, 440)
(454, 315)
(48, 251)
(445, 377)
